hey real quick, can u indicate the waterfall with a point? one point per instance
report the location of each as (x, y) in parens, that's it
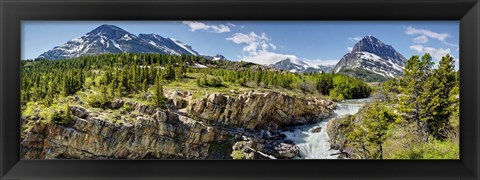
(315, 145)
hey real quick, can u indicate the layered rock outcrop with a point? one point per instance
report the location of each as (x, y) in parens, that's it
(336, 129)
(207, 130)
(251, 110)
(164, 135)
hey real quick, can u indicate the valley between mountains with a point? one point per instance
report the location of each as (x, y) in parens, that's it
(111, 94)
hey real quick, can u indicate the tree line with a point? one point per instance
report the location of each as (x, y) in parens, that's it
(110, 76)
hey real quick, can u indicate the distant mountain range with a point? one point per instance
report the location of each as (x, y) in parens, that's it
(112, 39)
(370, 58)
(299, 66)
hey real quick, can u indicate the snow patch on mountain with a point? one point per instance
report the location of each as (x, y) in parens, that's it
(184, 46)
(296, 65)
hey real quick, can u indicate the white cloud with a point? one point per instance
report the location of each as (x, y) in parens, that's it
(231, 24)
(437, 54)
(457, 48)
(418, 48)
(355, 39)
(426, 33)
(196, 25)
(241, 38)
(268, 57)
(457, 63)
(349, 49)
(258, 49)
(273, 46)
(424, 36)
(253, 42)
(421, 39)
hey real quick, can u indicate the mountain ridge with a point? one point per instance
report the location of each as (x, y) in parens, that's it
(113, 39)
(295, 65)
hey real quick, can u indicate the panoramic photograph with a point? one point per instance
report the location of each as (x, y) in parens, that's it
(240, 90)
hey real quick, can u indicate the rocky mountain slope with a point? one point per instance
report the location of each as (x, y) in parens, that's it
(112, 39)
(208, 128)
(374, 56)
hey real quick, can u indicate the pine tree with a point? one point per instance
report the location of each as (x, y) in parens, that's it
(324, 83)
(377, 119)
(437, 93)
(158, 92)
(170, 73)
(183, 71)
(414, 99)
(145, 85)
(50, 93)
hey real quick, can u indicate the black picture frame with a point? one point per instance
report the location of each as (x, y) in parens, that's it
(14, 11)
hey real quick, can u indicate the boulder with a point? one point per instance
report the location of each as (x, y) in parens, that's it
(316, 130)
(286, 151)
(116, 104)
(334, 130)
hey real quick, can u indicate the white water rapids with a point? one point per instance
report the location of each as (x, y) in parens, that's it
(316, 145)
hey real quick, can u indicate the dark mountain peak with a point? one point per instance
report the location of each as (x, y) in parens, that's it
(370, 44)
(219, 57)
(287, 60)
(371, 38)
(109, 31)
(373, 45)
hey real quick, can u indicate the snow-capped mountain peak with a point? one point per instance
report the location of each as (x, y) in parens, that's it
(112, 39)
(218, 57)
(373, 55)
(109, 31)
(215, 58)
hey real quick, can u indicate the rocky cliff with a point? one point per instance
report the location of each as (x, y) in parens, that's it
(211, 129)
(253, 110)
(163, 134)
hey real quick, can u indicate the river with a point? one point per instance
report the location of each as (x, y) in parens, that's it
(316, 145)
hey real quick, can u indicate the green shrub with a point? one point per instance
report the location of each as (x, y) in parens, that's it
(210, 82)
(432, 150)
(127, 108)
(98, 100)
(237, 154)
(55, 115)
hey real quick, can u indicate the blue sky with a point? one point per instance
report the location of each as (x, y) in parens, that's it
(316, 42)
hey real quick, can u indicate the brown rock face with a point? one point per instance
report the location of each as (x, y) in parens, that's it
(163, 135)
(149, 133)
(335, 127)
(252, 110)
